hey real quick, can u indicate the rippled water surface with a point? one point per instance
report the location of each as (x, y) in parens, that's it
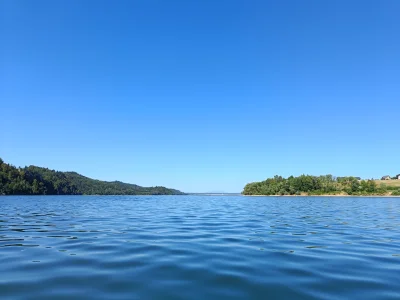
(199, 247)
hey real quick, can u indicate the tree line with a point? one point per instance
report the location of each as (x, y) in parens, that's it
(34, 180)
(318, 185)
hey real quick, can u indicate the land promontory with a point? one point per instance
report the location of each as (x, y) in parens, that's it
(35, 180)
(308, 185)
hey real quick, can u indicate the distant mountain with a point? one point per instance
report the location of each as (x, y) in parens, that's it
(34, 180)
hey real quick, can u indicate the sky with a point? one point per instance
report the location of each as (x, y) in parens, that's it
(201, 96)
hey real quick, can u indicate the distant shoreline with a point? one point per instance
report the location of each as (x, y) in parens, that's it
(33, 180)
(323, 186)
(359, 196)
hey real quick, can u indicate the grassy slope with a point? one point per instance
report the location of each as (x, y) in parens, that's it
(389, 183)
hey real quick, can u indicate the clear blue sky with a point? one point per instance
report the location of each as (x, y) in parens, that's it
(201, 95)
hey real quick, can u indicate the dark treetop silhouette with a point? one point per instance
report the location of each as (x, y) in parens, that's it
(34, 180)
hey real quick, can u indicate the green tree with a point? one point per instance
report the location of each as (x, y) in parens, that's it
(35, 187)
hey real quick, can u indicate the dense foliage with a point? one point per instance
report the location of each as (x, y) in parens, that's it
(34, 180)
(318, 185)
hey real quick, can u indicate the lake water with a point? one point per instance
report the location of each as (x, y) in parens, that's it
(199, 247)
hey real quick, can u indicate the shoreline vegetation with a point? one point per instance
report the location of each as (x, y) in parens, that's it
(34, 180)
(326, 185)
(325, 195)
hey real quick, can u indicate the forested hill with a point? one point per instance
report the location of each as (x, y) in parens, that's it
(319, 185)
(34, 180)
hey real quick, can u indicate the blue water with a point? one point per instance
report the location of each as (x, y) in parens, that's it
(199, 247)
